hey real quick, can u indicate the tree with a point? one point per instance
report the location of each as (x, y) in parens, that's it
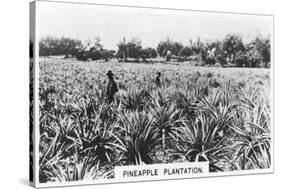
(95, 54)
(58, 46)
(148, 53)
(47, 46)
(196, 47)
(122, 49)
(260, 47)
(177, 47)
(164, 46)
(131, 49)
(134, 48)
(213, 53)
(82, 55)
(215, 48)
(68, 46)
(107, 54)
(232, 46)
(185, 52)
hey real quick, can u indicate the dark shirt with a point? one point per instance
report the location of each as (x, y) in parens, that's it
(157, 81)
(111, 90)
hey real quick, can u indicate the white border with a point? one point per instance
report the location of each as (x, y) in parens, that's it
(36, 101)
(111, 181)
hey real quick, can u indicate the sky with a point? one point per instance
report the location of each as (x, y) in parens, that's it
(111, 24)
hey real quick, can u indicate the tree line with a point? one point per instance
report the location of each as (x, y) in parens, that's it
(231, 51)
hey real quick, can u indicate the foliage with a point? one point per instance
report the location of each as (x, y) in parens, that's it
(148, 53)
(197, 114)
(139, 138)
(229, 52)
(107, 54)
(95, 54)
(253, 133)
(259, 50)
(58, 46)
(232, 46)
(185, 51)
(164, 46)
(131, 49)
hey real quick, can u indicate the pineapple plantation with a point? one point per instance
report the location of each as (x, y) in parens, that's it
(219, 115)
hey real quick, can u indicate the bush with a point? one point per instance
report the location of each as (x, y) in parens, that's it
(210, 60)
(241, 61)
(107, 54)
(82, 55)
(221, 60)
(95, 55)
(185, 52)
(148, 53)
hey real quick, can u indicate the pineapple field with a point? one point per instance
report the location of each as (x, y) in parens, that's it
(214, 114)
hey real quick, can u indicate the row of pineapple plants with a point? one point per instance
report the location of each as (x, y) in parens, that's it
(201, 119)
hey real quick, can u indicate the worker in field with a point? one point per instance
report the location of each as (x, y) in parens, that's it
(158, 79)
(112, 87)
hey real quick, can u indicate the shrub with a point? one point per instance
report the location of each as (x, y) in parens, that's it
(210, 61)
(82, 55)
(95, 55)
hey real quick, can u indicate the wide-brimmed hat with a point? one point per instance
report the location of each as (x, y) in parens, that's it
(109, 73)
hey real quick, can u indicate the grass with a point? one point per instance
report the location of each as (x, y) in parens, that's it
(220, 115)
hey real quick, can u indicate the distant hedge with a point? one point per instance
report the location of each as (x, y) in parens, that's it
(229, 51)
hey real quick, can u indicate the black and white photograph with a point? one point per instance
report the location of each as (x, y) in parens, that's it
(147, 90)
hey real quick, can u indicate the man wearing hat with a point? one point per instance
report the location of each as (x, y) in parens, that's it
(111, 87)
(157, 80)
